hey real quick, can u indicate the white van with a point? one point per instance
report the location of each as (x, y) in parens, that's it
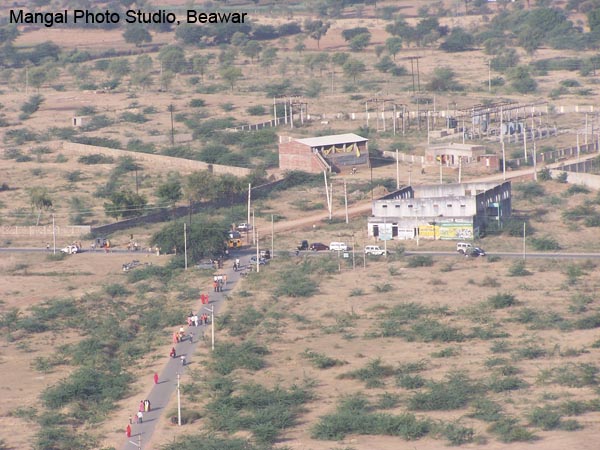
(463, 247)
(375, 250)
(338, 246)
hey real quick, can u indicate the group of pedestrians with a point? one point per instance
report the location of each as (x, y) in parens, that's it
(193, 319)
(219, 282)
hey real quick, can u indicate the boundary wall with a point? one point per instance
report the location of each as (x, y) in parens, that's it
(171, 162)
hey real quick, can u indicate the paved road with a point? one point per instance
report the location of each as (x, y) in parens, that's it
(546, 255)
(161, 393)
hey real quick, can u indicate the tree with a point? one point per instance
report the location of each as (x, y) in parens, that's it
(393, 46)
(119, 67)
(521, 80)
(252, 50)
(442, 80)
(169, 193)
(353, 68)
(231, 75)
(37, 77)
(125, 204)
(593, 17)
(401, 29)
(360, 42)
(136, 34)
(40, 200)
(172, 58)
(353, 32)
(339, 58)
(316, 29)
(458, 41)
(204, 239)
(385, 64)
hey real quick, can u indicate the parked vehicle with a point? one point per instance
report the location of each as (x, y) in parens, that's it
(266, 254)
(463, 247)
(261, 261)
(374, 250)
(244, 227)
(474, 252)
(70, 249)
(303, 245)
(317, 246)
(338, 246)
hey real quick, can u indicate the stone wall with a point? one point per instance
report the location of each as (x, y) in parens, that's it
(170, 162)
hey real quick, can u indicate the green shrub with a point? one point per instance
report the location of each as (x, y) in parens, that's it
(116, 290)
(408, 381)
(546, 418)
(453, 393)
(445, 353)
(506, 383)
(228, 356)
(457, 434)
(357, 292)
(388, 400)
(544, 243)
(509, 430)
(197, 103)
(420, 261)
(500, 300)
(576, 189)
(517, 269)
(486, 410)
(95, 158)
(372, 374)
(321, 361)
(256, 110)
(353, 415)
(529, 352)
(295, 283)
(383, 288)
(530, 191)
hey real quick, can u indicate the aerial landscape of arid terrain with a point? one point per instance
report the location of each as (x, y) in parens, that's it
(383, 215)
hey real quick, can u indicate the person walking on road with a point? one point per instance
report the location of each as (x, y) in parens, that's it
(183, 360)
(155, 378)
(128, 431)
(140, 417)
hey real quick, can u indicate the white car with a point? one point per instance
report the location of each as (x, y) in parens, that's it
(338, 246)
(374, 250)
(244, 227)
(70, 249)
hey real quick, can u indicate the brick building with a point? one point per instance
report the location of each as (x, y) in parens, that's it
(334, 153)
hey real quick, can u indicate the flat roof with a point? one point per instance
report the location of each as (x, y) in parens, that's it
(332, 139)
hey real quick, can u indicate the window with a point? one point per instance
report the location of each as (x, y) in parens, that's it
(449, 205)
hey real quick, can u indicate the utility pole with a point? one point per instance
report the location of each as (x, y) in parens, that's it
(397, 171)
(534, 148)
(178, 401)
(212, 326)
(525, 141)
(272, 237)
(524, 240)
(254, 232)
(459, 169)
(346, 200)
(353, 247)
(441, 171)
(53, 234)
(249, 195)
(502, 143)
(489, 75)
(329, 207)
(171, 109)
(185, 244)
(257, 253)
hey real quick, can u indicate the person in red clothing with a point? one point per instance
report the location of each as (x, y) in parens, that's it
(155, 378)
(128, 431)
